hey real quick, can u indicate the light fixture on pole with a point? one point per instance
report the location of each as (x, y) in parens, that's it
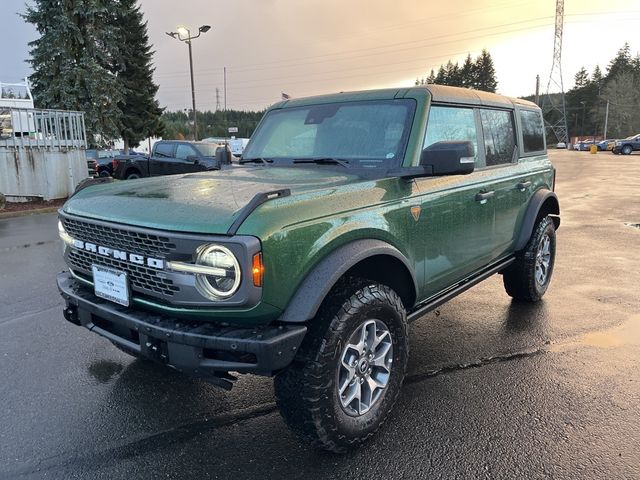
(183, 34)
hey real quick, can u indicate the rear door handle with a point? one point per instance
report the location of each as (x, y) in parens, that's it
(522, 186)
(482, 197)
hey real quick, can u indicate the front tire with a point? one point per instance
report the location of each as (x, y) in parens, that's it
(348, 373)
(626, 150)
(528, 278)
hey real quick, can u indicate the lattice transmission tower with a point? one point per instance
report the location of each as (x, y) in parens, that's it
(553, 106)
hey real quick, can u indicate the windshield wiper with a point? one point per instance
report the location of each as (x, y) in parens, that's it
(264, 161)
(323, 161)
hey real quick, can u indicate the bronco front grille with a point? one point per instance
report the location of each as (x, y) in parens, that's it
(148, 244)
(143, 279)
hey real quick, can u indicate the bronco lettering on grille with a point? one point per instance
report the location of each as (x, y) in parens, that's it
(119, 254)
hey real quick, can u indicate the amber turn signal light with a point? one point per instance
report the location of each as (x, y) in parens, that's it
(257, 269)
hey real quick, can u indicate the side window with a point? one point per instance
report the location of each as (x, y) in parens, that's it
(451, 124)
(183, 151)
(499, 136)
(164, 150)
(532, 131)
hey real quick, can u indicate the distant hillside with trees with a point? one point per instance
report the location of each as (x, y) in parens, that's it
(178, 126)
(586, 101)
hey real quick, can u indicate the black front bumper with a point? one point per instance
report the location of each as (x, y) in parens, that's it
(196, 348)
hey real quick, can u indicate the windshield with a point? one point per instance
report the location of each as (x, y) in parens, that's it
(207, 149)
(365, 134)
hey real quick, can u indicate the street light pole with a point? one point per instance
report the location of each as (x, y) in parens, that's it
(184, 35)
(193, 95)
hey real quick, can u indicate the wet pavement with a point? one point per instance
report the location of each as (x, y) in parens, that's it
(495, 389)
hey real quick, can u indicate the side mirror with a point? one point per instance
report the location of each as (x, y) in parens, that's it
(449, 158)
(223, 155)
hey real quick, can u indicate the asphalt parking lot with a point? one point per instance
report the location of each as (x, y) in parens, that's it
(495, 389)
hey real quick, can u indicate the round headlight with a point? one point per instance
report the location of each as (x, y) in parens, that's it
(223, 276)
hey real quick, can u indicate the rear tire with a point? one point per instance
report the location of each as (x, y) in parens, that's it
(133, 175)
(528, 278)
(331, 394)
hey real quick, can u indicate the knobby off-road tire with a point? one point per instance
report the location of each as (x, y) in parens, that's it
(528, 278)
(307, 393)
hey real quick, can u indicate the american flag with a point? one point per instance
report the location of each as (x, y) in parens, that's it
(285, 96)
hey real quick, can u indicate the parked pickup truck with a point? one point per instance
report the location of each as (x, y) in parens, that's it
(627, 145)
(347, 217)
(169, 157)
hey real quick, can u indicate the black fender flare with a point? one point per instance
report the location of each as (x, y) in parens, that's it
(540, 198)
(320, 280)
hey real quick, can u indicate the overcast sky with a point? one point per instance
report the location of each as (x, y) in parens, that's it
(318, 46)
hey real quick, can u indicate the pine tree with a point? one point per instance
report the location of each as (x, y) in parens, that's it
(432, 77)
(581, 78)
(452, 74)
(140, 110)
(73, 59)
(621, 63)
(485, 73)
(596, 76)
(441, 77)
(467, 72)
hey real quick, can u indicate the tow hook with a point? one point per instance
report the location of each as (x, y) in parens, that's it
(71, 314)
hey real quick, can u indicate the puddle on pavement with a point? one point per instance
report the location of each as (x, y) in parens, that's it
(105, 370)
(626, 334)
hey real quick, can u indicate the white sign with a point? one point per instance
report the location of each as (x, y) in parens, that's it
(111, 284)
(233, 129)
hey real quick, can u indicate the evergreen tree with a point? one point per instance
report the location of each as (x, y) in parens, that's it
(581, 78)
(468, 72)
(452, 74)
(441, 77)
(140, 110)
(432, 77)
(621, 63)
(485, 78)
(73, 60)
(596, 76)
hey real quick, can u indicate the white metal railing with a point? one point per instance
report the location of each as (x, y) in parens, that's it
(46, 129)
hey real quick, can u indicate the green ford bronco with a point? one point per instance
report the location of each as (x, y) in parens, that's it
(348, 217)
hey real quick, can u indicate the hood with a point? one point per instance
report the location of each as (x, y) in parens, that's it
(206, 202)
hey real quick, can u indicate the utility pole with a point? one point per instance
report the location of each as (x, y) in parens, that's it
(537, 99)
(554, 108)
(225, 88)
(606, 120)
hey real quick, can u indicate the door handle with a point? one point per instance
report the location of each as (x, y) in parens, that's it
(482, 197)
(522, 186)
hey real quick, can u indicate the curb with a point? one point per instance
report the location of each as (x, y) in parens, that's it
(26, 213)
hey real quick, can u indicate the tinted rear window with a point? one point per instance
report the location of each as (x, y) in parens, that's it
(532, 131)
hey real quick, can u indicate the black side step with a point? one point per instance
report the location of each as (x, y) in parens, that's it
(254, 203)
(443, 297)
